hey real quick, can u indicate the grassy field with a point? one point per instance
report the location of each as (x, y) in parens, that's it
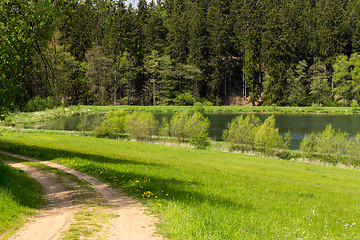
(200, 194)
(19, 196)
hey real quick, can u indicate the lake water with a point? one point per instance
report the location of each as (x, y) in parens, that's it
(297, 124)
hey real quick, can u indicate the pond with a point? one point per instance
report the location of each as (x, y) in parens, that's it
(297, 124)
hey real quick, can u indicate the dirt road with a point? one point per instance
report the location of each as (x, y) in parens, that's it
(104, 212)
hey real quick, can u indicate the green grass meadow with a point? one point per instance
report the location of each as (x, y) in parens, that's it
(20, 196)
(204, 194)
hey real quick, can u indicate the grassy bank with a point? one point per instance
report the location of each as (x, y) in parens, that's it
(19, 196)
(23, 119)
(231, 109)
(201, 194)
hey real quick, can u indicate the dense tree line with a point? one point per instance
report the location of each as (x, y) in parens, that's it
(294, 52)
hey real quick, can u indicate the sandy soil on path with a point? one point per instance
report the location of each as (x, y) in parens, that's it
(132, 221)
(57, 214)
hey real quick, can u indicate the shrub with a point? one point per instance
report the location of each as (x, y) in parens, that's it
(198, 128)
(194, 127)
(39, 104)
(198, 107)
(267, 136)
(240, 132)
(353, 150)
(141, 125)
(200, 140)
(113, 124)
(184, 99)
(329, 144)
(164, 129)
(178, 125)
(307, 145)
(85, 124)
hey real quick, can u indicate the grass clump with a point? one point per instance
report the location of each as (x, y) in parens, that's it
(20, 195)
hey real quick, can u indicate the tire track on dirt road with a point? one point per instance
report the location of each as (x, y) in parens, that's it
(132, 221)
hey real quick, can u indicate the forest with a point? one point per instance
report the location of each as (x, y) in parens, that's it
(178, 52)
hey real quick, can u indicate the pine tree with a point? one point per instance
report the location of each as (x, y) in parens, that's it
(319, 84)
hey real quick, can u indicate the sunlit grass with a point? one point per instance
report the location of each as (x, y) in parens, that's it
(202, 194)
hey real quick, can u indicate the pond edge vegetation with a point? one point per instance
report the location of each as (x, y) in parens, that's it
(189, 128)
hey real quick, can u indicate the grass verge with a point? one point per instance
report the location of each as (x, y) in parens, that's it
(202, 194)
(20, 196)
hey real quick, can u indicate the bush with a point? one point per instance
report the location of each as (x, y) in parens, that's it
(195, 128)
(267, 137)
(178, 125)
(200, 140)
(307, 145)
(85, 124)
(141, 125)
(240, 132)
(39, 104)
(198, 107)
(353, 150)
(164, 129)
(184, 99)
(198, 127)
(329, 144)
(113, 124)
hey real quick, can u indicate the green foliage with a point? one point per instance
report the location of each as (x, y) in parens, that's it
(248, 133)
(194, 127)
(353, 150)
(178, 125)
(113, 124)
(330, 145)
(38, 104)
(141, 125)
(308, 144)
(240, 132)
(26, 28)
(198, 107)
(267, 136)
(342, 80)
(184, 99)
(104, 52)
(198, 128)
(319, 85)
(296, 92)
(164, 128)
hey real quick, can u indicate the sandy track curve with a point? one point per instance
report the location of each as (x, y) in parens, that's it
(58, 213)
(133, 222)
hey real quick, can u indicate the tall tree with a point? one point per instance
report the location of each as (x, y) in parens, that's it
(342, 79)
(176, 37)
(99, 72)
(26, 27)
(296, 80)
(319, 84)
